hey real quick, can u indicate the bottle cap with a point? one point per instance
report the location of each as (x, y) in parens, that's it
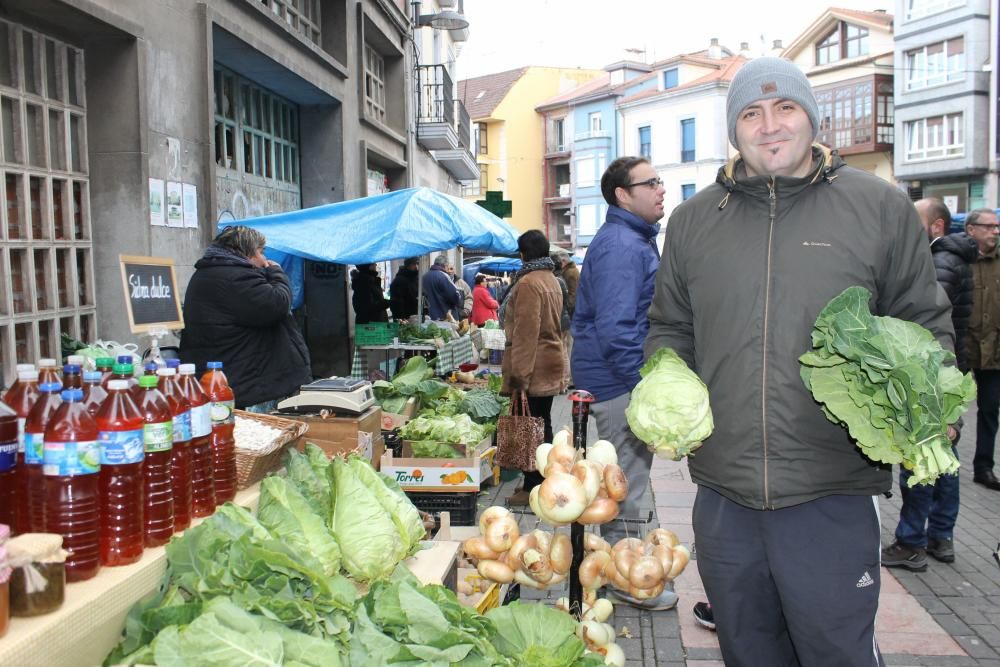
(25, 367)
(118, 385)
(149, 366)
(50, 386)
(71, 368)
(92, 376)
(105, 362)
(72, 394)
(122, 369)
(186, 369)
(166, 372)
(125, 359)
(173, 363)
(46, 362)
(30, 375)
(213, 365)
(75, 359)
(147, 381)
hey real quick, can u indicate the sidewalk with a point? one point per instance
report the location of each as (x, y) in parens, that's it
(948, 616)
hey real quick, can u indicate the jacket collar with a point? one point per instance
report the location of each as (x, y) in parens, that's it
(733, 176)
(628, 219)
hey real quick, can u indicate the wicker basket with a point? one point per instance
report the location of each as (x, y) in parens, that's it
(252, 465)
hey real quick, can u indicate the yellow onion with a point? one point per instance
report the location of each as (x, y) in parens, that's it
(561, 553)
(537, 565)
(542, 456)
(603, 452)
(594, 542)
(600, 610)
(600, 511)
(646, 593)
(496, 571)
(477, 548)
(525, 579)
(523, 543)
(491, 514)
(627, 544)
(543, 539)
(564, 455)
(646, 573)
(590, 476)
(665, 555)
(681, 558)
(663, 536)
(563, 437)
(615, 482)
(502, 533)
(561, 497)
(592, 569)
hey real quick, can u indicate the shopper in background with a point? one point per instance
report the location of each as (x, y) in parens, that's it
(405, 290)
(464, 310)
(569, 274)
(439, 290)
(237, 310)
(533, 360)
(484, 306)
(368, 299)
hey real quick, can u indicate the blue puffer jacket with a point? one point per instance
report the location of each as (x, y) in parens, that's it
(615, 290)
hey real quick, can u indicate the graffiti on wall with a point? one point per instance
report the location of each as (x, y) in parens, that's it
(237, 200)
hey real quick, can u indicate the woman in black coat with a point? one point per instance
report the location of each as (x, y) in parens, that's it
(368, 300)
(237, 310)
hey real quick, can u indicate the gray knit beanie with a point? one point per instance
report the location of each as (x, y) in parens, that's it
(767, 79)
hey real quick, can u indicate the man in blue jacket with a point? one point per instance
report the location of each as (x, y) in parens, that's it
(610, 324)
(440, 290)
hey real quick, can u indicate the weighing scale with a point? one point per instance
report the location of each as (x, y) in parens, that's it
(338, 394)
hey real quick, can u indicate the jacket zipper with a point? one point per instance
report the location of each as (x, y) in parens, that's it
(767, 297)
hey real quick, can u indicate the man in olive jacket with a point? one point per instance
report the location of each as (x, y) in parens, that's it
(786, 516)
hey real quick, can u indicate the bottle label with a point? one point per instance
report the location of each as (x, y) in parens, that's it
(158, 437)
(222, 412)
(8, 455)
(201, 420)
(121, 447)
(182, 427)
(66, 459)
(34, 448)
(20, 434)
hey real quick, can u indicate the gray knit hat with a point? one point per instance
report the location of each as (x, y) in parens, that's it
(767, 79)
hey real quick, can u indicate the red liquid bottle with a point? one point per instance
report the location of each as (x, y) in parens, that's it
(34, 453)
(202, 477)
(47, 371)
(180, 458)
(72, 377)
(21, 397)
(72, 467)
(148, 370)
(120, 435)
(216, 385)
(124, 372)
(8, 464)
(93, 393)
(106, 366)
(158, 435)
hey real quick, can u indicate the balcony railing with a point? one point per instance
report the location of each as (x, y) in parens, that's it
(437, 102)
(463, 125)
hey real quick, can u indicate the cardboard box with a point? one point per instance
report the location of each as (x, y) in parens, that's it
(440, 475)
(436, 564)
(342, 435)
(370, 449)
(391, 420)
(461, 451)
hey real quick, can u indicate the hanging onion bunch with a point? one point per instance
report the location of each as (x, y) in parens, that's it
(640, 568)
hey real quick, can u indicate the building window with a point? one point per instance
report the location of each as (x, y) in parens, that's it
(585, 173)
(482, 148)
(46, 258)
(594, 121)
(301, 16)
(935, 138)
(687, 191)
(586, 219)
(374, 84)
(919, 8)
(885, 120)
(935, 64)
(687, 140)
(256, 132)
(670, 78)
(854, 115)
(844, 41)
(557, 139)
(645, 143)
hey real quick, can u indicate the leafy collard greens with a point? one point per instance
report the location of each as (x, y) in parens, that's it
(884, 379)
(669, 408)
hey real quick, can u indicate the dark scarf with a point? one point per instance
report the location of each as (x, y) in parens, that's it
(540, 264)
(218, 252)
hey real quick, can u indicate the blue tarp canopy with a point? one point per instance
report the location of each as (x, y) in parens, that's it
(405, 223)
(496, 265)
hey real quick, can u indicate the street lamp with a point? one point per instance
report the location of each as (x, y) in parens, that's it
(446, 20)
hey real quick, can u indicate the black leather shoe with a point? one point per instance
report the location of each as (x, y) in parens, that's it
(987, 479)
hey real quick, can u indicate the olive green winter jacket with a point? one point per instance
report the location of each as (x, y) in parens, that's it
(984, 327)
(748, 264)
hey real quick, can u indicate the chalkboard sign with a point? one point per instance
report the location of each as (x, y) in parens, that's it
(151, 293)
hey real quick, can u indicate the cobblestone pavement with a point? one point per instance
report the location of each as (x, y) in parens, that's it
(948, 616)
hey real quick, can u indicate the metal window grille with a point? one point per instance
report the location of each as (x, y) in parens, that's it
(46, 257)
(301, 16)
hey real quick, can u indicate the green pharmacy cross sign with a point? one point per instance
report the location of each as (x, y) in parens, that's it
(496, 204)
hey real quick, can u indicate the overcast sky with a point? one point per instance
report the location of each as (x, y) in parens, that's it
(504, 34)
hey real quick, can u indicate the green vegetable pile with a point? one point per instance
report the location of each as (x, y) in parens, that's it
(482, 404)
(415, 378)
(884, 379)
(533, 635)
(669, 408)
(423, 333)
(432, 434)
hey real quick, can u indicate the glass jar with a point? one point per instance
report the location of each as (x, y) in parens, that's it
(38, 580)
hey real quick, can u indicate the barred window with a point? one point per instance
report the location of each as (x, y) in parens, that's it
(301, 16)
(374, 84)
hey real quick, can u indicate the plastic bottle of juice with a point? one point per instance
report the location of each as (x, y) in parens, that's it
(11, 388)
(37, 421)
(180, 458)
(125, 372)
(72, 467)
(93, 393)
(120, 434)
(106, 366)
(202, 479)
(148, 369)
(8, 464)
(158, 435)
(216, 385)
(21, 398)
(72, 377)
(47, 371)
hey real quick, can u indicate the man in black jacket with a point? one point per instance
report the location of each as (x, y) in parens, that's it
(237, 310)
(927, 518)
(368, 300)
(405, 290)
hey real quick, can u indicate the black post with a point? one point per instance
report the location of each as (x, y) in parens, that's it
(581, 413)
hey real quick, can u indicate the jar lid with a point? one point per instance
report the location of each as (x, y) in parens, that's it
(35, 548)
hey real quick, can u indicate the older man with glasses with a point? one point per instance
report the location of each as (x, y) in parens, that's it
(984, 341)
(610, 324)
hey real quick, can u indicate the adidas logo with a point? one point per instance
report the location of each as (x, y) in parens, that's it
(865, 580)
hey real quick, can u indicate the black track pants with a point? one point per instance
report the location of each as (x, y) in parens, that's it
(795, 586)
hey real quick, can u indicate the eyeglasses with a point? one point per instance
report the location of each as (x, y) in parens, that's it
(651, 182)
(992, 228)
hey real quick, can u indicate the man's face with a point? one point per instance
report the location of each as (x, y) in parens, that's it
(933, 226)
(984, 231)
(775, 138)
(641, 198)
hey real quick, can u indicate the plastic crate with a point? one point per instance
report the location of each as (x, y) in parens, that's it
(462, 506)
(375, 333)
(393, 442)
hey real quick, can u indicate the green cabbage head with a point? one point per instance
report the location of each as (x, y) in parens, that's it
(669, 408)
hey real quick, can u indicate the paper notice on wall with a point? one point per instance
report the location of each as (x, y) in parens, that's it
(190, 206)
(156, 217)
(951, 201)
(175, 205)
